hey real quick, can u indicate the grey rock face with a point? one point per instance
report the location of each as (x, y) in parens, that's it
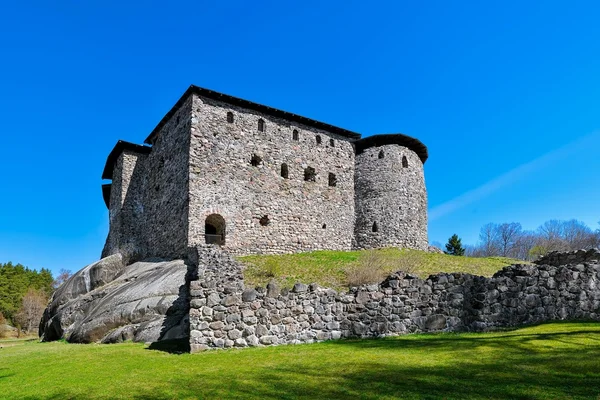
(108, 302)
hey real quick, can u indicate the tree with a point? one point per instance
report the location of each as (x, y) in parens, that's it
(62, 277)
(488, 236)
(454, 246)
(508, 234)
(32, 308)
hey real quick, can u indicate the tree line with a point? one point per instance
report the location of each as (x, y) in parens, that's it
(24, 294)
(510, 240)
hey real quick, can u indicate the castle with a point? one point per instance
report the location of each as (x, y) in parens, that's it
(254, 179)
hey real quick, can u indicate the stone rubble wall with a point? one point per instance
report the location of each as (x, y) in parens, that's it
(224, 314)
(572, 257)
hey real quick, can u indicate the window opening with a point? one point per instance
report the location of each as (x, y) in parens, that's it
(332, 179)
(318, 139)
(284, 171)
(230, 117)
(404, 162)
(261, 125)
(332, 142)
(214, 229)
(381, 155)
(375, 228)
(310, 175)
(295, 135)
(255, 161)
(264, 220)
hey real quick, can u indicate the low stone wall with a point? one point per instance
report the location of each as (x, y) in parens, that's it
(573, 257)
(225, 314)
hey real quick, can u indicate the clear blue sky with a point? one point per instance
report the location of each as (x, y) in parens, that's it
(504, 94)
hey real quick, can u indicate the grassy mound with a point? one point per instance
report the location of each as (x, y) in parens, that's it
(552, 361)
(340, 269)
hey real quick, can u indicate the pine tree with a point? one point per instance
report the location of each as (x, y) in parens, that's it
(454, 246)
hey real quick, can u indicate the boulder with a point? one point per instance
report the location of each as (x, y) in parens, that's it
(108, 302)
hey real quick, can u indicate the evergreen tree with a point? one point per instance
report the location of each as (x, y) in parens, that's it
(454, 246)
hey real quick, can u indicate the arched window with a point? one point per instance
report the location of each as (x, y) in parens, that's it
(214, 229)
(255, 161)
(375, 228)
(230, 117)
(404, 162)
(332, 179)
(261, 125)
(295, 135)
(381, 155)
(318, 139)
(332, 142)
(284, 171)
(310, 175)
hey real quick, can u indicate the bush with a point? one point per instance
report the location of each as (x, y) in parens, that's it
(3, 330)
(373, 265)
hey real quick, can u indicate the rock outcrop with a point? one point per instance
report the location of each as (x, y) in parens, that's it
(110, 302)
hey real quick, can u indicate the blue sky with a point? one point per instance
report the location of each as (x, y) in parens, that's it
(504, 94)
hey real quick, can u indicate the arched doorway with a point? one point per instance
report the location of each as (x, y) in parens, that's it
(214, 229)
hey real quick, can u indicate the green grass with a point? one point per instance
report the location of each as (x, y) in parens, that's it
(328, 268)
(552, 361)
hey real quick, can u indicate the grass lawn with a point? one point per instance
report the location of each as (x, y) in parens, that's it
(551, 361)
(328, 268)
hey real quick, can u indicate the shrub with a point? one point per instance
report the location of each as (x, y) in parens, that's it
(372, 266)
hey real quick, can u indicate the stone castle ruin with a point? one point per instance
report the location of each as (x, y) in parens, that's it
(254, 179)
(223, 176)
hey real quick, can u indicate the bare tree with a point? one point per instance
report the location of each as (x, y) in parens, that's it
(62, 277)
(507, 235)
(578, 235)
(31, 310)
(489, 240)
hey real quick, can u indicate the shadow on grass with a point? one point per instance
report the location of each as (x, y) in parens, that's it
(547, 365)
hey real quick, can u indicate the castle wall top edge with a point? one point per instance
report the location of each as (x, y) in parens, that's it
(211, 94)
(120, 147)
(393, 138)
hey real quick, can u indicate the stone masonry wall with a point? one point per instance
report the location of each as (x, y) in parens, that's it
(127, 197)
(223, 313)
(149, 195)
(390, 199)
(296, 215)
(572, 257)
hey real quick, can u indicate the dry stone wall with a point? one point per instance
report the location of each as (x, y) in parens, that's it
(224, 313)
(391, 199)
(265, 212)
(572, 257)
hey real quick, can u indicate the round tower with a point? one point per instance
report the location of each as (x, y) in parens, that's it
(390, 196)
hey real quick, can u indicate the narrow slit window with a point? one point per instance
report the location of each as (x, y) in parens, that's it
(404, 162)
(332, 179)
(255, 161)
(318, 138)
(261, 125)
(381, 155)
(332, 142)
(310, 175)
(295, 135)
(375, 228)
(284, 171)
(230, 117)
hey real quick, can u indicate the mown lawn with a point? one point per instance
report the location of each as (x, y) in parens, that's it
(552, 361)
(328, 268)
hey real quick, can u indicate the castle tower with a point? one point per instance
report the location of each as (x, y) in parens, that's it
(390, 195)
